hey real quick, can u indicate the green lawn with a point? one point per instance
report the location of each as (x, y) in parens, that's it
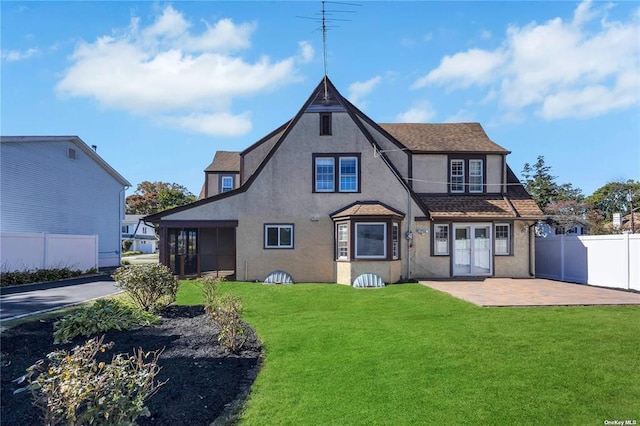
(407, 355)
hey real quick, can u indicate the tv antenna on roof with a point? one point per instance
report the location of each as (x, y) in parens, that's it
(325, 21)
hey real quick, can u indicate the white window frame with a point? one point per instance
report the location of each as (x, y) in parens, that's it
(342, 239)
(436, 238)
(395, 240)
(341, 175)
(474, 184)
(498, 251)
(229, 186)
(457, 176)
(333, 174)
(279, 227)
(384, 241)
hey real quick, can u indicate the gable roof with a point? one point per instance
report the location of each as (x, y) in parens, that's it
(366, 208)
(225, 161)
(91, 153)
(443, 137)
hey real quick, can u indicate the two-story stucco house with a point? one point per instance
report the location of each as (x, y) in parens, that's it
(331, 194)
(141, 235)
(59, 185)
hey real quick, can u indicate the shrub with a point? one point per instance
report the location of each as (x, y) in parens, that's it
(226, 312)
(27, 276)
(73, 388)
(209, 288)
(149, 285)
(103, 315)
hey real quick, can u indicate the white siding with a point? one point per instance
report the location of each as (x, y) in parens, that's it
(42, 190)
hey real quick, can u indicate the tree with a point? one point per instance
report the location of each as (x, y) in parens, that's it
(542, 187)
(154, 197)
(612, 198)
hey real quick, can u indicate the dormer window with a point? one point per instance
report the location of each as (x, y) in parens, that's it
(466, 175)
(325, 124)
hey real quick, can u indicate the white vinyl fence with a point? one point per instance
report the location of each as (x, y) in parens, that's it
(601, 260)
(30, 251)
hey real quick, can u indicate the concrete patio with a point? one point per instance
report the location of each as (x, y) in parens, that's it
(532, 292)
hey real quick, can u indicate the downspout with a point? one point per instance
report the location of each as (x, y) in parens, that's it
(408, 234)
(532, 252)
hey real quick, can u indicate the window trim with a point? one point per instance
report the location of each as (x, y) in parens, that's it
(466, 173)
(456, 191)
(279, 246)
(395, 241)
(221, 183)
(384, 245)
(481, 175)
(434, 251)
(509, 251)
(337, 157)
(346, 241)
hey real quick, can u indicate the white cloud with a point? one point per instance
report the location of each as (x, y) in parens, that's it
(360, 89)
(169, 68)
(419, 113)
(17, 55)
(581, 67)
(218, 124)
(464, 69)
(462, 116)
(306, 51)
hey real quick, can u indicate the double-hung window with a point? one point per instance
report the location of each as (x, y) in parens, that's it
(325, 174)
(475, 175)
(226, 183)
(336, 173)
(395, 241)
(503, 239)
(278, 236)
(441, 240)
(466, 175)
(457, 175)
(343, 241)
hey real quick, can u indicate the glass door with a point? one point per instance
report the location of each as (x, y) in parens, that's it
(472, 249)
(462, 251)
(482, 251)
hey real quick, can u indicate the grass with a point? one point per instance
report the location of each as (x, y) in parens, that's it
(407, 354)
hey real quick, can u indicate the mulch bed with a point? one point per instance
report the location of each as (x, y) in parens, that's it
(205, 382)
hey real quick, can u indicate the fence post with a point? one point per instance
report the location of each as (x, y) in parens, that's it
(45, 248)
(562, 257)
(627, 257)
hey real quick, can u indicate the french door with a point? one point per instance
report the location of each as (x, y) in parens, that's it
(472, 249)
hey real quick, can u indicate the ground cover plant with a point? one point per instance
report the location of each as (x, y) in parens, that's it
(407, 354)
(28, 276)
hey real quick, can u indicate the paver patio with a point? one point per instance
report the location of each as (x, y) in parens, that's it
(532, 292)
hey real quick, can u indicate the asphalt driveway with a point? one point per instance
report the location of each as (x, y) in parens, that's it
(532, 292)
(21, 301)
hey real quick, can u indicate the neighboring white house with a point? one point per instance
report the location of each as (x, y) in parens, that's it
(142, 236)
(59, 185)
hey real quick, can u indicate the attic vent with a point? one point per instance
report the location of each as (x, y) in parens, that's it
(72, 153)
(325, 123)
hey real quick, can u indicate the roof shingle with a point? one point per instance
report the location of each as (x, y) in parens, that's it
(225, 161)
(443, 137)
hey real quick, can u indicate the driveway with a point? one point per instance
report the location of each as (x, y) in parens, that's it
(532, 292)
(30, 299)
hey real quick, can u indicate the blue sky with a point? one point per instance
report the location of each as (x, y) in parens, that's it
(159, 87)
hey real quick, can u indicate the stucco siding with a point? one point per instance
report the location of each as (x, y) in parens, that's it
(398, 156)
(252, 159)
(430, 173)
(42, 190)
(517, 265)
